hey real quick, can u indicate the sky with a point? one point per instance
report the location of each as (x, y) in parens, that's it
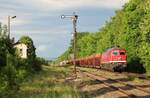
(40, 19)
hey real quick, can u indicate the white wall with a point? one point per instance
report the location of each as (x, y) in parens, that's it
(22, 49)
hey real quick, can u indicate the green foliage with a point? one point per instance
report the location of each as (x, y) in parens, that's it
(8, 71)
(42, 61)
(49, 83)
(13, 69)
(86, 44)
(129, 29)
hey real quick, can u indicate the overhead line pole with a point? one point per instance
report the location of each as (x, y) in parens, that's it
(74, 18)
(9, 19)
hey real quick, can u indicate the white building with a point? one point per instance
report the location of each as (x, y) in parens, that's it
(21, 49)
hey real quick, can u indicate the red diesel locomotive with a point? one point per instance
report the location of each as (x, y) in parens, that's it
(113, 59)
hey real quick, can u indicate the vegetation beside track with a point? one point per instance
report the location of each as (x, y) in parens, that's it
(49, 83)
(53, 82)
(13, 69)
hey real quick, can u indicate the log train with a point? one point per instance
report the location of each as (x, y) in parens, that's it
(113, 59)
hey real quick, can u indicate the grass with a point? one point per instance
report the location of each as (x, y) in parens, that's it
(148, 73)
(132, 78)
(50, 83)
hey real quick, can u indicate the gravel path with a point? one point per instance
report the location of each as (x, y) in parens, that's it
(91, 88)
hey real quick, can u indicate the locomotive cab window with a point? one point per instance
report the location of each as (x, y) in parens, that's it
(115, 53)
(122, 53)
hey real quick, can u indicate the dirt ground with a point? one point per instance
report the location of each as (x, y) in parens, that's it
(91, 88)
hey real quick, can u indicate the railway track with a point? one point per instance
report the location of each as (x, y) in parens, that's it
(100, 78)
(140, 76)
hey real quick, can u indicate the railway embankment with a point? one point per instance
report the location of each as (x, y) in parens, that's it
(49, 83)
(104, 84)
(60, 82)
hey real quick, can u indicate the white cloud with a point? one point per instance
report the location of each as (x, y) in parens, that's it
(53, 5)
(25, 15)
(64, 4)
(42, 48)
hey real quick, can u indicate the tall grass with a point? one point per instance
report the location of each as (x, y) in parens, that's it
(49, 83)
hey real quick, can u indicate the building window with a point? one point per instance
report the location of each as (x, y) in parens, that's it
(21, 52)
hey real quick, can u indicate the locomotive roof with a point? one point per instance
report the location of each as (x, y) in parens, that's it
(113, 48)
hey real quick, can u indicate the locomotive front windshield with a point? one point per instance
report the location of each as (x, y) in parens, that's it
(115, 53)
(122, 53)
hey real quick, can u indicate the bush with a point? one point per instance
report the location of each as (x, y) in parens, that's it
(13, 69)
(8, 77)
